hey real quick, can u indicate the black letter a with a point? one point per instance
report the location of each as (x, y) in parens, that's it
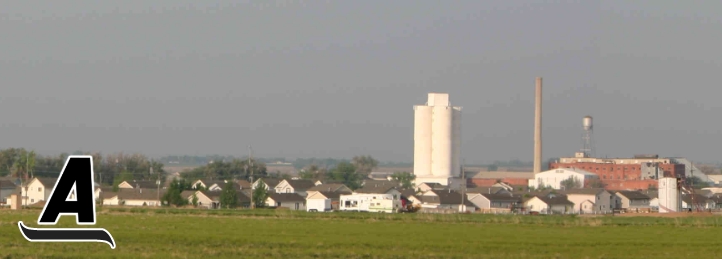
(77, 176)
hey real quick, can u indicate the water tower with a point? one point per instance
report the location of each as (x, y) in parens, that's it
(587, 143)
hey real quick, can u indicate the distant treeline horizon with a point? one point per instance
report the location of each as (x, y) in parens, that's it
(188, 160)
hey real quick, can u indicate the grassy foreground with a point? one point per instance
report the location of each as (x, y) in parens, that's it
(171, 233)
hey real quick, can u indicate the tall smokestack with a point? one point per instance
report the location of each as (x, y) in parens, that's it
(537, 127)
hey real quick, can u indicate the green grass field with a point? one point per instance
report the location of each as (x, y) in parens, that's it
(176, 233)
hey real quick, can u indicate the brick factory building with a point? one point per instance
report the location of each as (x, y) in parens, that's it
(639, 172)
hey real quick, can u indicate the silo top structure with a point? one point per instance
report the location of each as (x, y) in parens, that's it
(587, 122)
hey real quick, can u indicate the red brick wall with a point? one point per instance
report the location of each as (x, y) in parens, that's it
(633, 184)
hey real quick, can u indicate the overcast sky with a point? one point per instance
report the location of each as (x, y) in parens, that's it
(340, 78)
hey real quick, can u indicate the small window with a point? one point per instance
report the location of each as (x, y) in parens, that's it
(40, 189)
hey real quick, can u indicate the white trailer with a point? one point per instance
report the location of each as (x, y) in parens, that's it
(318, 205)
(388, 203)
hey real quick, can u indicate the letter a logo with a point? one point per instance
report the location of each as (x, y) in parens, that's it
(72, 196)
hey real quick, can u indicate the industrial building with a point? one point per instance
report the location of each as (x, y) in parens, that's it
(554, 178)
(639, 172)
(437, 142)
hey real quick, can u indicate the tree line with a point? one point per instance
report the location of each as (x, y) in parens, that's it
(19, 163)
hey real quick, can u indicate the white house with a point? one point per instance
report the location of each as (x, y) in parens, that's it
(295, 186)
(549, 204)
(134, 184)
(505, 201)
(292, 201)
(321, 201)
(553, 178)
(133, 197)
(38, 189)
(590, 200)
(268, 182)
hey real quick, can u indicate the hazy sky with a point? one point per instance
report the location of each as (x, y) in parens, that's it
(340, 78)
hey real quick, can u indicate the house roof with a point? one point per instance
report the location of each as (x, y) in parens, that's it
(332, 195)
(445, 197)
(143, 184)
(499, 175)
(587, 191)
(286, 197)
(270, 182)
(7, 184)
(186, 194)
(376, 188)
(301, 185)
(633, 195)
(555, 200)
(139, 194)
(487, 190)
(435, 185)
(332, 187)
(243, 184)
(48, 182)
(381, 182)
(502, 197)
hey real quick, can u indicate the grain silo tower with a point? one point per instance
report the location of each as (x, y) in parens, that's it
(437, 140)
(670, 197)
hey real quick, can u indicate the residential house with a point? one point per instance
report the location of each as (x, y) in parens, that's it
(504, 202)
(237, 185)
(323, 201)
(633, 200)
(7, 187)
(425, 187)
(270, 183)
(133, 197)
(411, 196)
(590, 200)
(330, 187)
(292, 201)
(549, 204)
(134, 184)
(488, 190)
(207, 184)
(295, 186)
(379, 187)
(38, 189)
(446, 199)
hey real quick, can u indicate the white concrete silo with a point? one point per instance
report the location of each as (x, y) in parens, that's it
(456, 145)
(437, 140)
(422, 140)
(441, 141)
(670, 199)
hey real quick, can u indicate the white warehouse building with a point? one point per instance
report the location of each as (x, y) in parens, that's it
(437, 141)
(554, 178)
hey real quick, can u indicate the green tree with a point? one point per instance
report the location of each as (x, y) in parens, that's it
(405, 178)
(259, 195)
(195, 200)
(173, 194)
(229, 196)
(364, 164)
(571, 183)
(346, 173)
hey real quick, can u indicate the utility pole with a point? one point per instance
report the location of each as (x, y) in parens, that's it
(157, 182)
(463, 184)
(250, 166)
